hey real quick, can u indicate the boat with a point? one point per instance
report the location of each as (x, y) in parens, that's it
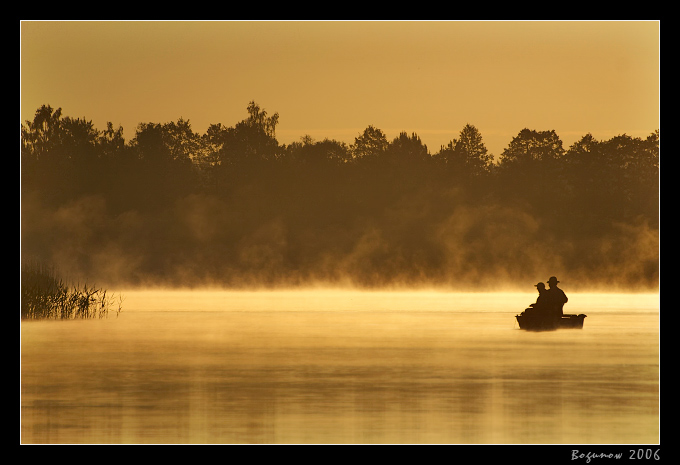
(541, 323)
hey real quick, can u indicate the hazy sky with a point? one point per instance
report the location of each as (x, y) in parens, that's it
(333, 79)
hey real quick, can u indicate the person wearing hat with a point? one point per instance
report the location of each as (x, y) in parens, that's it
(556, 296)
(541, 305)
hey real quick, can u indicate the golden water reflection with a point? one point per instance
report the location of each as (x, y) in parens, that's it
(358, 369)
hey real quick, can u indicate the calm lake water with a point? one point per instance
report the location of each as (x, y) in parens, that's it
(197, 367)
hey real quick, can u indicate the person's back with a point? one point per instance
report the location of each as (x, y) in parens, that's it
(556, 297)
(542, 300)
(540, 308)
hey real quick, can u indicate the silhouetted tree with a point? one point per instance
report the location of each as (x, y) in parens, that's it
(616, 177)
(183, 142)
(150, 145)
(531, 146)
(39, 136)
(467, 156)
(60, 155)
(371, 143)
(407, 148)
(335, 151)
(78, 140)
(470, 144)
(251, 141)
(165, 169)
(310, 152)
(258, 118)
(530, 173)
(111, 142)
(404, 166)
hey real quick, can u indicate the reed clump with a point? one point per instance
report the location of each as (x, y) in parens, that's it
(46, 296)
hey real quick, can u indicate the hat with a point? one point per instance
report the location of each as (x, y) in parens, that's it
(539, 285)
(553, 280)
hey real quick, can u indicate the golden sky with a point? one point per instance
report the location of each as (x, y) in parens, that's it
(333, 79)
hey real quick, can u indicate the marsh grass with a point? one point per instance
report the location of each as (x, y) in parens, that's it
(46, 296)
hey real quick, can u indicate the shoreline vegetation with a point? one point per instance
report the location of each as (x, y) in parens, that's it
(44, 295)
(232, 207)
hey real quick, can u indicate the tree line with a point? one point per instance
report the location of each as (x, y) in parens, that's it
(234, 207)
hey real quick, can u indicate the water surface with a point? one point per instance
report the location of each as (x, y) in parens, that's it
(343, 367)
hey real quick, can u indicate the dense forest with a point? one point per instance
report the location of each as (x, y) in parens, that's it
(234, 208)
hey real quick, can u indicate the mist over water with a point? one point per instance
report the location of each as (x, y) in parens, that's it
(198, 243)
(333, 366)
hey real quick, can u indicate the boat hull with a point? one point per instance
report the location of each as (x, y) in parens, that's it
(535, 323)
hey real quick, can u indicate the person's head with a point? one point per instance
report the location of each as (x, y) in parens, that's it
(540, 287)
(552, 282)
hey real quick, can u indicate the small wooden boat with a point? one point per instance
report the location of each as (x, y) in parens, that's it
(541, 323)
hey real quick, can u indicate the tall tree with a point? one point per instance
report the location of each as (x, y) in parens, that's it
(258, 118)
(251, 140)
(371, 143)
(467, 156)
(478, 160)
(78, 139)
(111, 142)
(39, 136)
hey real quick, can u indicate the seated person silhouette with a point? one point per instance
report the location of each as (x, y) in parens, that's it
(540, 308)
